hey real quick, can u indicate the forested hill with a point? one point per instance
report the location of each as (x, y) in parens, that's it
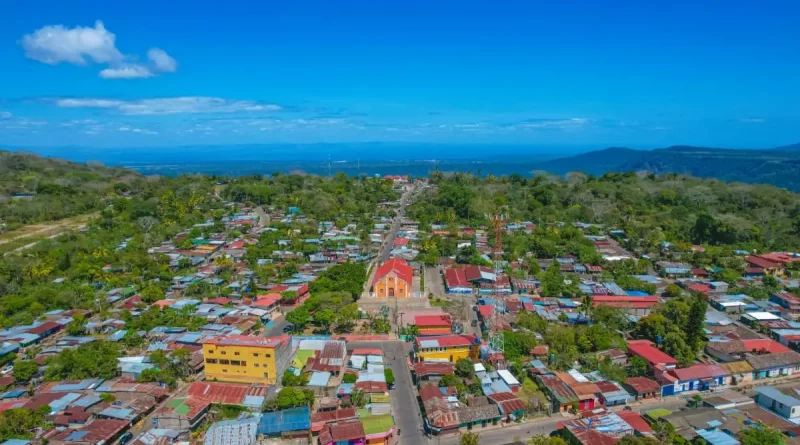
(779, 167)
(650, 209)
(34, 189)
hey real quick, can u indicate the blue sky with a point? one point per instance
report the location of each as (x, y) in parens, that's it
(592, 73)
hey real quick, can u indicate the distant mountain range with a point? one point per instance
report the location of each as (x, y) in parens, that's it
(778, 166)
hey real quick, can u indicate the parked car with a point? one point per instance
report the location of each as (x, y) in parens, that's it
(125, 438)
(474, 323)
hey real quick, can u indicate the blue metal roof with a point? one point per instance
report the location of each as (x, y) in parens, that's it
(294, 419)
(717, 437)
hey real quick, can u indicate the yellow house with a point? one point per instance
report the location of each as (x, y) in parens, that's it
(446, 348)
(245, 359)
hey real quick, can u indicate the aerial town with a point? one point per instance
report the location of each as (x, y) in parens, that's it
(265, 325)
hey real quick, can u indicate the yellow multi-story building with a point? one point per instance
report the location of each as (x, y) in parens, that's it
(245, 359)
(446, 348)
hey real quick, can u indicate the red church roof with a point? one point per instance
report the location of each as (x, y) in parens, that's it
(396, 265)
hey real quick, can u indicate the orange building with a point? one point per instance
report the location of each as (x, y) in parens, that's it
(433, 324)
(393, 279)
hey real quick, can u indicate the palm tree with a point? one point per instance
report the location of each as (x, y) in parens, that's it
(587, 305)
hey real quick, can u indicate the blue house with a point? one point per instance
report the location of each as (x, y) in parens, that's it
(693, 378)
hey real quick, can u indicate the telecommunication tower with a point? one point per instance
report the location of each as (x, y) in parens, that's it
(496, 339)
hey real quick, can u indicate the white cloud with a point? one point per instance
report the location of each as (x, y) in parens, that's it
(79, 45)
(55, 44)
(126, 129)
(753, 120)
(88, 103)
(5, 115)
(161, 61)
(127, 72)
(170, 105)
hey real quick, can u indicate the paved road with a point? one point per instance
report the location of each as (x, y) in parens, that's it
(275, 327)
(404, 400)
(398, 220)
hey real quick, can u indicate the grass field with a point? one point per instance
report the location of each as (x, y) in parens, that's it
(31, 234)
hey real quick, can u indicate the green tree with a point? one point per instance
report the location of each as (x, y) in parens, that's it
(358, 398)
(347, 316)
(24, 370)
(291, 398)
(676, 346)
(325, 318)
(637, 367)
(465, 368)
(95, 359)
(299, 318)
(695, 324)
(672, 291)
(389, 375)
(552, 281)
(469, 438)
(77, 326)
(762, 435)
(349, 378)
(152, 293)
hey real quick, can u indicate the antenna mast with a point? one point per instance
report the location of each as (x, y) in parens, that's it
(496, 339)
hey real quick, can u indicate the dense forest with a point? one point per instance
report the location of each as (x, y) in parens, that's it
(650, 209)
(35, 189)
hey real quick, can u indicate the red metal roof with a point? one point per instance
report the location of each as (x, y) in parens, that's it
(97, 431)
(485, 310)
(372, 387)
(401, 241)
(367, 351)
(449, 340)
(267, 300)
(399, 266)
(698, 372)
(646, 350)
(432, 320)
(760, 262)
(44, 327)
(320, 419)
(248, 340)
(636, 421)
(433, 368)
(643, 385)
(765, 344)
(456, 278)
(700, 288)
(347, 431)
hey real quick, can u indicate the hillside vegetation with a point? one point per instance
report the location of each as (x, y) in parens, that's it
(649, 207)
(35, 189)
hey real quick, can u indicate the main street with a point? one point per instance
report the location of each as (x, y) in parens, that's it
(405, 408)
(388, 243)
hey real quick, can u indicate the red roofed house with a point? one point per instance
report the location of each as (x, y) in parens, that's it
(789, 302)
(96, 432)
(351, 432)
(642, 387)
(433, 324)
(45, 329)
(762, 263)
(393, 279)
(270, 303)
(456, 281)
(638, 306)
(656, 359)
